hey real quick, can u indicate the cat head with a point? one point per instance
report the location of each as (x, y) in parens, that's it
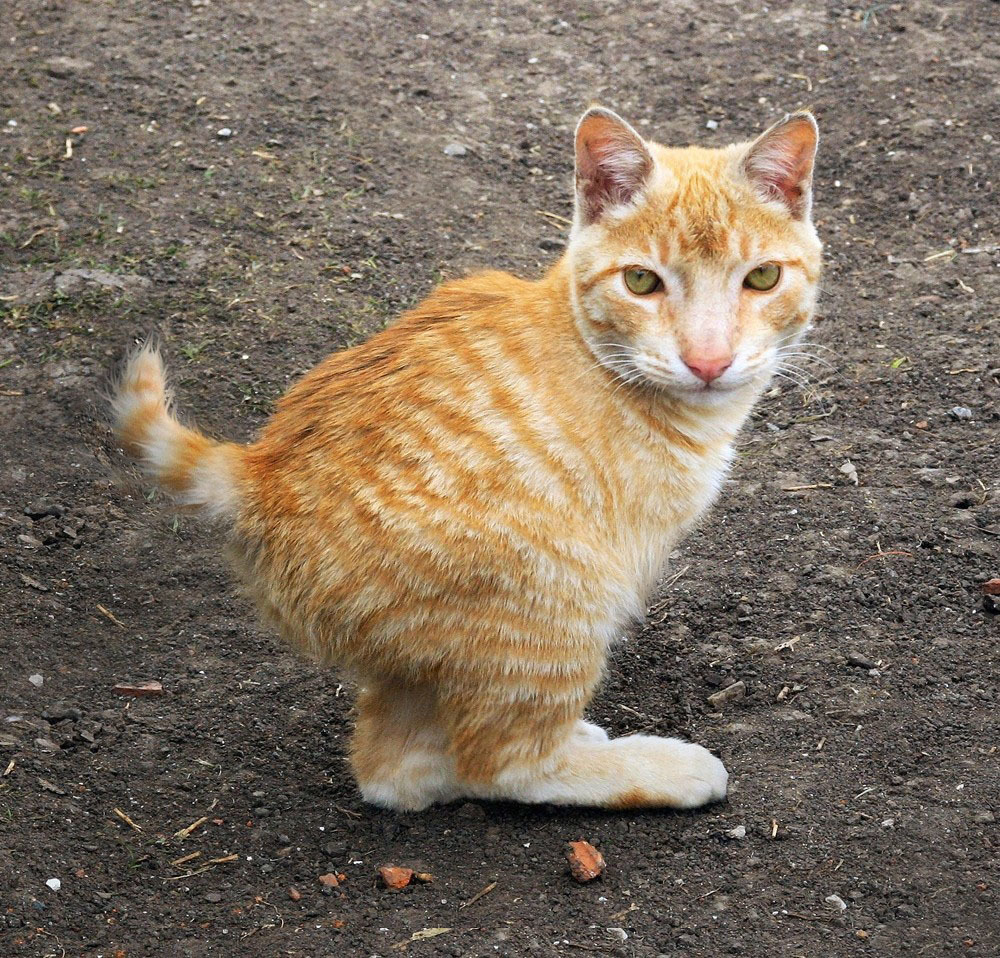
(691, 269)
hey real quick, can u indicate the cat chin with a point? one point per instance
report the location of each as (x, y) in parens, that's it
(712, 397)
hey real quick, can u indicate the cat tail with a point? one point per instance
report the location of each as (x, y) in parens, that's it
(200, 473)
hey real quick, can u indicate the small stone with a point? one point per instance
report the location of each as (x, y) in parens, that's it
(294, 893)
(858, 661)
(224, 134)
(991, 587)
(551, 244)
(849, 470)
(585, 862)
(47, 744)
(213, 896)
(394, 876)
(711, 124)
(620, 933)
(737, 834)
(425, 878)
(44, 507)
(74, 281)
(729, 694)
(455, 149)
(29, 541)
(66, 66)
(36, 680)
(836, 901)
(984, 818)
(960, 412)
(329, 880)
(59, 711)
(138, 689)
(54, 884)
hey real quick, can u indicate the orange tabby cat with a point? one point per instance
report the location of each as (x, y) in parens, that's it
(466, 510)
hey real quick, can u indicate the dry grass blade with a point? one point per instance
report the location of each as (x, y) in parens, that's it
(186, 832)
(128, 821)
(479, 894)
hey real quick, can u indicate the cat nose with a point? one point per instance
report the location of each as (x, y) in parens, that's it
(708, 367)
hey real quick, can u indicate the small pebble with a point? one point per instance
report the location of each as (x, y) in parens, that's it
(960, 412)
(455, 149)
(836, 901)
(733, 692)
(712, 124)
(858, 661)
(224, 134)
(585, 862)
(54, 884)
(36, 680)
(737, 834)
(294, 894)
(213, 896)
(394, 876)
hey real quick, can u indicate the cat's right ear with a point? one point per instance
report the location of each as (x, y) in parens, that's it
(612, 164)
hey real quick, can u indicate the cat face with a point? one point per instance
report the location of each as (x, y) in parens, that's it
(693, 268)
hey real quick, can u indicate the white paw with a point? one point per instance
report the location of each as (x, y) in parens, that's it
(671, 773)
(696, 775)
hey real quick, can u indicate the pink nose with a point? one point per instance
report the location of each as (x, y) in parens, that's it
(708, 367)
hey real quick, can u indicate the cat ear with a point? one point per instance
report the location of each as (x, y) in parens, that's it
(612, 163)
(779, 163)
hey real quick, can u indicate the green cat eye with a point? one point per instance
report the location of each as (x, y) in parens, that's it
(642, 282)
(763, 277)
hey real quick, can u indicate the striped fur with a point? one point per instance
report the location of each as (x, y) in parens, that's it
(466, 510)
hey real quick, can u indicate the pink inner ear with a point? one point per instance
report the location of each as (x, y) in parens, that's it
(612, 164)
(780, 163)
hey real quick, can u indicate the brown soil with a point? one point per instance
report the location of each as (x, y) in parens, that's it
(330, 207)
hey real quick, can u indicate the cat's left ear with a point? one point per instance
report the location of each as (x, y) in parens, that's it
(612, 163)
(779, 163)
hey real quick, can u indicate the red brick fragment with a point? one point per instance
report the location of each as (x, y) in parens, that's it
(138, 689)
(585, 862)
(294, 894)
(992, 587)
(329, 880)
(394, 876)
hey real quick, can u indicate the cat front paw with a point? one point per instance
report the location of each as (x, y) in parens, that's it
(699, 777)
(668, 772)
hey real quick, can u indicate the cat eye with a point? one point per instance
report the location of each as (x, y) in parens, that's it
(763, 277)
(642, 282)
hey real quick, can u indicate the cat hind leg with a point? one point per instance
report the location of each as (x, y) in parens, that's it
(399, 753)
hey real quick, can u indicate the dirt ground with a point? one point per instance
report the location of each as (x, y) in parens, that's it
(262, 183)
